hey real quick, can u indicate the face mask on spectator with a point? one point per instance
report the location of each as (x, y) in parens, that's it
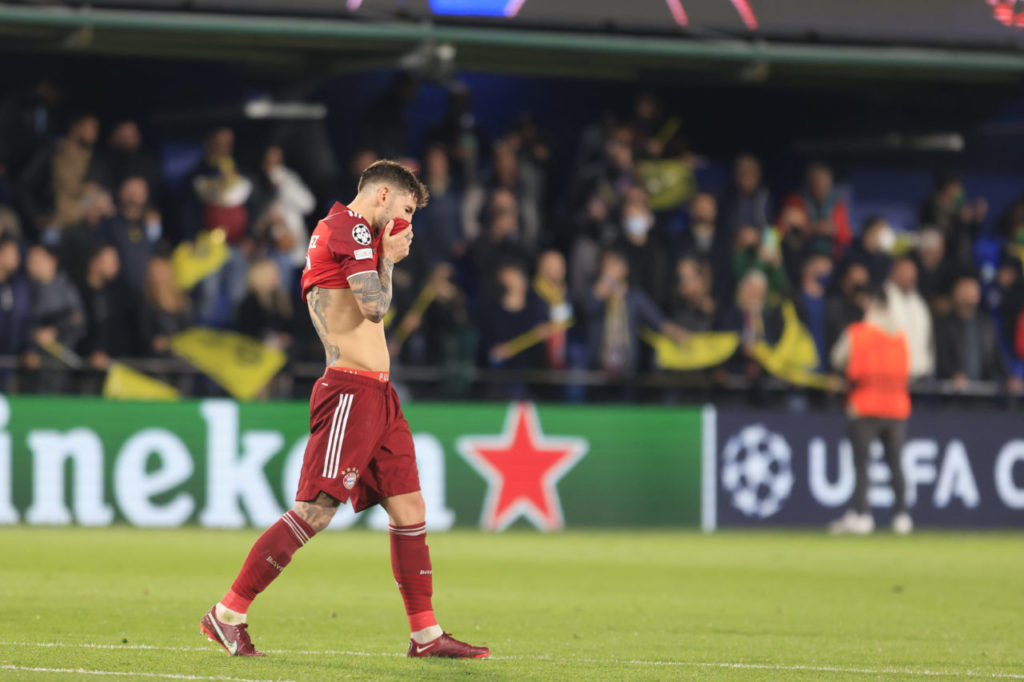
(886, 239)
(703, 236)
(637, 225)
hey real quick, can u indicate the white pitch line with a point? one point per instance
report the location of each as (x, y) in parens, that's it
(571, 659)
(162, 676)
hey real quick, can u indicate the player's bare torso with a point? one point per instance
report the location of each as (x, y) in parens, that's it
(350, 340)
(344, 293)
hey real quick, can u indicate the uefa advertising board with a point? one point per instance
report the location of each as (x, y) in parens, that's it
(218, 463)
(765, 468)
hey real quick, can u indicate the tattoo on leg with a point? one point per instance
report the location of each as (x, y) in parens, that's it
(319, 299)
(319, 512)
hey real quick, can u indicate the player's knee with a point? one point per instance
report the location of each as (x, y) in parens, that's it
(317, 515)
(407, 510)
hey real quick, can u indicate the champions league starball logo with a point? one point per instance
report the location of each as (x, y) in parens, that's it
(361, 234)
(756, 471)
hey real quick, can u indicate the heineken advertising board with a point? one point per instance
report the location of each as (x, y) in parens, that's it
(219, 463)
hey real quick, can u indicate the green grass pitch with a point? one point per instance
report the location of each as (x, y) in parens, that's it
(88, 603)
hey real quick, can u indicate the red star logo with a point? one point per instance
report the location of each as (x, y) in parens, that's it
(522, 466)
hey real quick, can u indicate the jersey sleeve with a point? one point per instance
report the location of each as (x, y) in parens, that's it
(351, 246)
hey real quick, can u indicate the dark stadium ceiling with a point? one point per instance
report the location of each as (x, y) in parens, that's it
(608, 40)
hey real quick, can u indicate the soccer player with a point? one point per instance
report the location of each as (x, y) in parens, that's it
(360, 447)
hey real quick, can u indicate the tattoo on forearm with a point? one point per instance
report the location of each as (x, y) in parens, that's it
(319, 512)
(373, 290)
(319, 300)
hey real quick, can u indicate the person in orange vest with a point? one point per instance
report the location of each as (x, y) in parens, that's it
(874, 354)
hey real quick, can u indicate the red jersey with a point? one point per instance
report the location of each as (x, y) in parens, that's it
(342, 245)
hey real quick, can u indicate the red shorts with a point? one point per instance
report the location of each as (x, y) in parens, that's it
(359, 445)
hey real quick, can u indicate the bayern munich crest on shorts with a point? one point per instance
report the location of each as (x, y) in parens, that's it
(361, 233)
(348, 478)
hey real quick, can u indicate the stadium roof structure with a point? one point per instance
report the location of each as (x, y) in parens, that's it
(331, 44)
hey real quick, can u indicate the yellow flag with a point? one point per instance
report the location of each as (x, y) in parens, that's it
(239, 363)
(669, 182)
(124, 383)
(538, 334)
(794, 358)
(701, 350)
(194, 261)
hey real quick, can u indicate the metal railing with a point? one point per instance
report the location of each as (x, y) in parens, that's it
(464, 382)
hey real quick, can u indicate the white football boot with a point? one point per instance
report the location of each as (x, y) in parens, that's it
(902, 524)
(852, 523)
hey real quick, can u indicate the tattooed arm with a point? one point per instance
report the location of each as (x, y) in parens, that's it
(319, 301)
(372, 290)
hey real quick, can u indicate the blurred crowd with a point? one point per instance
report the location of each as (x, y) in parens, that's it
(517, 264)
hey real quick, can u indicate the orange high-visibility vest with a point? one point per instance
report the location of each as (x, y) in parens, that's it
(879, 371)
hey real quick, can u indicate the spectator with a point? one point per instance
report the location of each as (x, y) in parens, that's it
(648, 125)
(957, 219)
(747, 201)
(611, 178)
(109, 319)
(642, 246)
(266, 310)
(934, 273)
(691, 306)
(754, 250)
(702, 237)
(439, 223)
(10, 223)
(27, 124)
(1011, 223)
(505, 176)
(615, 311)
(461, 134)
(549, 286)
(533, 153)
(810, 302)
(966, 342)
(223, 192)
(451, 339)
(500, 242)
(514, 313)
(124, 158)
(78, 241)
(754, 319)
(827, 214)
(166, 310)
(594, 229)
(57, 312)
(15, 304)
(135, 231)
(843, 308)
(283, 222)
(1006, 299)
(362, 158)
(873, 247)
(797, 243)
(55, 179)
(911, 314)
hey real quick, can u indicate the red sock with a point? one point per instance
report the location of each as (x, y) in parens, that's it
(410, 562)
(267, 558)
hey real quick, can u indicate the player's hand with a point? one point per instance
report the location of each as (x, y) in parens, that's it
(395, 247)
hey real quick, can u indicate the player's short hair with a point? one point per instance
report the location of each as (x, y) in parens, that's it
(394, 174)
